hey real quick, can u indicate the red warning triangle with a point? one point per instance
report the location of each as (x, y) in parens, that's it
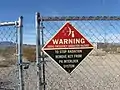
(68, 37)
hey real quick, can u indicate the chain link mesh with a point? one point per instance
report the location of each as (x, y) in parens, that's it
(100, 69)
(8, 69)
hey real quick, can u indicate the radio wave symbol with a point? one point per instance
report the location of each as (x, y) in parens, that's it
(70, 32)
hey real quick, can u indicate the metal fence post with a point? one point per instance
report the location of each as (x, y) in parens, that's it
(38, 50)
(20, 54)
(43, 60)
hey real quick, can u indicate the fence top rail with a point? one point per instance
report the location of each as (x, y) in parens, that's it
(78, 18)
(8, 23)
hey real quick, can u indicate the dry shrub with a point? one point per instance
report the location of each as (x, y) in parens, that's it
(29, 53)
(97, 52)
(7, 56)
(7, 52)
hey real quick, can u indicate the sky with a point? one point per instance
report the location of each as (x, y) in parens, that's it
(10, 10)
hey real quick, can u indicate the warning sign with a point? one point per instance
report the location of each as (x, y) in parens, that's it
(68, 47)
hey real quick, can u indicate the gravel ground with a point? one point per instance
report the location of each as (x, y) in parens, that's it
(96, 72)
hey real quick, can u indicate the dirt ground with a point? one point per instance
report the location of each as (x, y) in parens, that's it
(98, 71)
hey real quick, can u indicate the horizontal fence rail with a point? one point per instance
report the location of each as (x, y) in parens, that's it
(8, 23)
(78, 18)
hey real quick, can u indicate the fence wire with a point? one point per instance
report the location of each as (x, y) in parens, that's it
(9, 79)
(100, 69)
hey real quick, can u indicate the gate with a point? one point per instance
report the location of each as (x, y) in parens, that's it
(11, 68)
(98, 71)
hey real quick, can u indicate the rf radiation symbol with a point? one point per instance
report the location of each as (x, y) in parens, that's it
(68, 47)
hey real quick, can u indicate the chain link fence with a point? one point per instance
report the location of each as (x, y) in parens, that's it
(100, 69)
(8, 58)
